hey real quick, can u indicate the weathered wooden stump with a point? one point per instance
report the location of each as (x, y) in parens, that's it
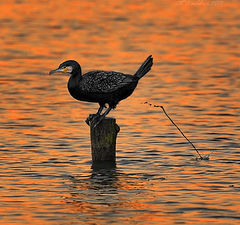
(103, 140)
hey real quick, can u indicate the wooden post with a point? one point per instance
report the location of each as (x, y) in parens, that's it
(103, 140)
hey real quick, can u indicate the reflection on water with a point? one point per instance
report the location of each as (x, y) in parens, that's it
(45, 161)
(118, 195)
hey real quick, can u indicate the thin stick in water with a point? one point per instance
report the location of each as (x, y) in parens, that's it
(181, 132)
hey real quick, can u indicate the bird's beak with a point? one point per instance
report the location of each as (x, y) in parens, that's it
(61, 70)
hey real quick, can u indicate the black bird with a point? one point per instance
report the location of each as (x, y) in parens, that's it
(103, 87)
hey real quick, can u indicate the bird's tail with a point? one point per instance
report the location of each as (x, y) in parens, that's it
(144, 68)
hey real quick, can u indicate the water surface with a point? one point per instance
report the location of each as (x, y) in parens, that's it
(45, 160)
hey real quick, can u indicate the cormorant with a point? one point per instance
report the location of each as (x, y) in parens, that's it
(103, 87)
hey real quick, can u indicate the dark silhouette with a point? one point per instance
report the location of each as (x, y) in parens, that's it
(103, 87)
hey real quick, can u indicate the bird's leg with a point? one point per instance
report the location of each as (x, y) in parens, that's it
(95, 123)
(94, 117)
(100, 110)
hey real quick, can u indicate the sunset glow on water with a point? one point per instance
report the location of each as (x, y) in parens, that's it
(45, 158)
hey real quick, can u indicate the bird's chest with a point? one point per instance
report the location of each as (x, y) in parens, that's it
(77, 90)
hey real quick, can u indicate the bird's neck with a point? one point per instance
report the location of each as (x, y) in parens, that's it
(77, 73)
(76, 77)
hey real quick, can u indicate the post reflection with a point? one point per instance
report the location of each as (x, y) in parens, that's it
(101, 186)
(104, 192)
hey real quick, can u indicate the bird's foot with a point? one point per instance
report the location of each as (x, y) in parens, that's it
(94, 119)
(91, 118)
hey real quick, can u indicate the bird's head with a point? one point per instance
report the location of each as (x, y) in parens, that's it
(68, 67)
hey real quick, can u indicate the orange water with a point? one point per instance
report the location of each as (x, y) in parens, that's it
(45, 160)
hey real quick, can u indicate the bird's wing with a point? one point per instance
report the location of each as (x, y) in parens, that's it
(105, 81)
